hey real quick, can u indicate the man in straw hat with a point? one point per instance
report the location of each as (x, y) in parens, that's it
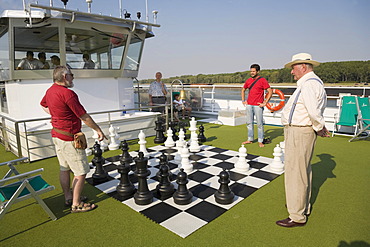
(303, 121)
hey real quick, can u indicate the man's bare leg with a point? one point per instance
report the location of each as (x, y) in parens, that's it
(261, 144)
(65, 182)
(77, 187)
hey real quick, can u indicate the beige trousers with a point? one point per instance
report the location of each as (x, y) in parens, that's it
(299, 146)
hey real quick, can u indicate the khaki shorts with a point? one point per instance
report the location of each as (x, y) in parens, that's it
(71, 158)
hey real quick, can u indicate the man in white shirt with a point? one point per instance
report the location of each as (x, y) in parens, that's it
(29, 62)
(157, 92)
(303, 121)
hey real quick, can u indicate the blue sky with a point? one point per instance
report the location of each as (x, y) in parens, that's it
(225, 36)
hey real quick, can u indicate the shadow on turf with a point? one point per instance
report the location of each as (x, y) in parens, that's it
(321, 171)
(353, 244)
(274, 133)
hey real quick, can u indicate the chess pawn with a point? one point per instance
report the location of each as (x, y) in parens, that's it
(182, 196)
(113, 141)
(169, 142)
(194, 146)
(143, 196)
(125, 157)
(164, 189)
(100, 175)
(182, 135)
(277, 165)
(142, 143)
(242, 164)
(282, 146)
(185, 162)
(103, 146)
(224, 195)
(201, 136)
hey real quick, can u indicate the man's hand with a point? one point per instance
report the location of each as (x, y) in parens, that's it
(263, 104)
(323, 133)
(244, 102)
(101, 136)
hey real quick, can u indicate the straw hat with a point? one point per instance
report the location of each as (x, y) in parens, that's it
(301, 58)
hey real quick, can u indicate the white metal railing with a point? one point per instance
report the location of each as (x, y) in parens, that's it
(22, 125)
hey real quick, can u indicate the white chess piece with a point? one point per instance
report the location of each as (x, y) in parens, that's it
(179, 145)
(193, 128)
(113, 141)
(277, 165)
(95, 136)
(194, 146)
(103, 145)
(142, 143)
(182, 135)
(88, 151)
(185, 162)
(282, 145)
(242, 164)
(169, 141)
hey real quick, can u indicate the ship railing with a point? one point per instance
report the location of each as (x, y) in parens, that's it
(19, 128)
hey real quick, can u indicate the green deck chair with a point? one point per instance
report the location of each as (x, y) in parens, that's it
(348, 112)
(363, 120)
(22, 186)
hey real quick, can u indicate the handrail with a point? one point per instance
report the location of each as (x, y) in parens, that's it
(18, 123)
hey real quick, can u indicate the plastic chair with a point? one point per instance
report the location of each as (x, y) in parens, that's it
(363, 119)
(22, 186)
(348, 113)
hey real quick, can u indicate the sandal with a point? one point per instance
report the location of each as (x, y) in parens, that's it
(83, 207)
(68, 202)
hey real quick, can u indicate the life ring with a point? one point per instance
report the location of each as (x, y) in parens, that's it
(280, 105)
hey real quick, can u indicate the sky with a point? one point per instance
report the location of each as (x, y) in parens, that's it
(227, 36)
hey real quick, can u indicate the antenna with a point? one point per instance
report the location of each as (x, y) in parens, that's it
(146, 11)
(89, 5)
(155, 13)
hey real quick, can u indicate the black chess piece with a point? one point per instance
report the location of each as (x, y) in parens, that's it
(224, 195)
(201, 137)
(143, 196)
(126, 157)
(164, 189)
(182, 196)
(100, 175)
(163, 160)
(125, 189)
(172, 125)
(159, 128)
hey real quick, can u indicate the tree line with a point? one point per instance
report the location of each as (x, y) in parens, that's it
(329, 72)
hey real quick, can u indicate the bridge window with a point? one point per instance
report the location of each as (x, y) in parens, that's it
(4, 50)
(34, 47)
(134, 53)
(94, 49)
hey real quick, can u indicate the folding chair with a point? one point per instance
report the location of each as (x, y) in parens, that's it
(26, 185)
(363, 119)
(348, 113)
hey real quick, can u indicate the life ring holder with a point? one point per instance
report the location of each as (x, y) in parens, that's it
(280, 105)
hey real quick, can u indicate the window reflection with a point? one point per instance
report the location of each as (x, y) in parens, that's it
(94, 49)
(4, 50)
(33, 48)
(133, 54)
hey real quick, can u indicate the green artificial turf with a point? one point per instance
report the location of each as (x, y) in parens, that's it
(340, 215)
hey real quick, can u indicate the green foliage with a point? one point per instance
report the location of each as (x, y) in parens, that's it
(330, 72)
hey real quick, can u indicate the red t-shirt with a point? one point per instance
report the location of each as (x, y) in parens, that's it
(256, 94)
(65, 110)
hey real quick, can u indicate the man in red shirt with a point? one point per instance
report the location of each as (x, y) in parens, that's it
(255, 102)
(66, 114)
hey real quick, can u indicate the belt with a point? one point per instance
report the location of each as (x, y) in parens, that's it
(292, 125)
(158, 97)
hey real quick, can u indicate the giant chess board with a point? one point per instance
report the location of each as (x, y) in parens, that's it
(202, 182)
